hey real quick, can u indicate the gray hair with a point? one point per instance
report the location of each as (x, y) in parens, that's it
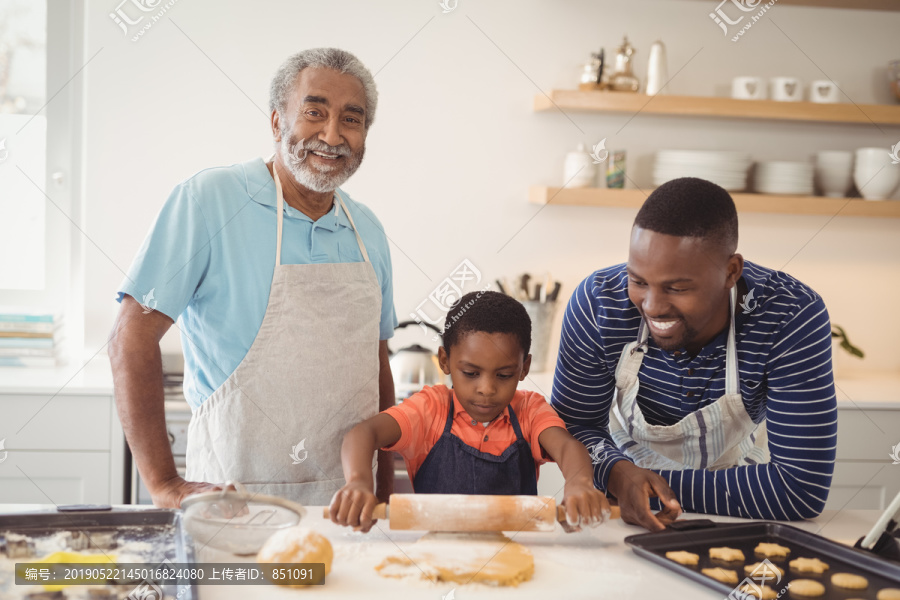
(326, 58)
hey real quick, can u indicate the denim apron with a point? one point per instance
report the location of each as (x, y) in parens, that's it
(454, 467)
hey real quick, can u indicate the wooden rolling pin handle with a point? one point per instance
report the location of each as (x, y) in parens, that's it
(379, 512)
(614, 513)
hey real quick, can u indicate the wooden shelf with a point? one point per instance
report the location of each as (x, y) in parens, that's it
(699, 106)
(748, 203)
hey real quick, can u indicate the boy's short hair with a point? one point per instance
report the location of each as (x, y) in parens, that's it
(488, 312)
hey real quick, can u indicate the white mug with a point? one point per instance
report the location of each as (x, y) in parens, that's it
(787, 89)
(748, 88)
(824, 91)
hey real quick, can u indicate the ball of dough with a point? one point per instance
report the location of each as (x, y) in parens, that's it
(297, 545)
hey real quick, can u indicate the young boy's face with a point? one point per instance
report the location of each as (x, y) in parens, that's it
(485, 367)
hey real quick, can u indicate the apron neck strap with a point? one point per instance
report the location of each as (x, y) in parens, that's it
(732, 385)
(362, 247)
(279, 210)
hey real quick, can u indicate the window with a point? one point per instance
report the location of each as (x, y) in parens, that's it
(41, 75)
(23, 143)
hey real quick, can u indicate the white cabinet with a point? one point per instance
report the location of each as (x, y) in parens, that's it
(864, 476)
(55, 477)
(61, 448)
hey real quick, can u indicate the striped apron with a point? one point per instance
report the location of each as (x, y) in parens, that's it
(718, 436)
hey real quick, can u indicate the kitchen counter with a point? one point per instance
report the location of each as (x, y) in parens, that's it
(90, 376)
(591, 564)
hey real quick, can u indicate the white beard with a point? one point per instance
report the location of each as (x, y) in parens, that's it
(322, 179)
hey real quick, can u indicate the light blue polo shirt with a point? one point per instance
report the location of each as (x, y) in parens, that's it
(209, 259)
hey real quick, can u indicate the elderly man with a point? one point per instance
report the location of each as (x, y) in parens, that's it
(281, 286)
(683, 393)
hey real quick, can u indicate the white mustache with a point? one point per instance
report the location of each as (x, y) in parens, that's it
(302, 148)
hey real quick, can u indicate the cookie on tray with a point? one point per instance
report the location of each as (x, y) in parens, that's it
(806, 588)
(808, 565)
(888, 594)
(683, 557)
(763, 592)
(726, 554)
(849, 581)
(720, 574)
(767, 569)
(772, 550)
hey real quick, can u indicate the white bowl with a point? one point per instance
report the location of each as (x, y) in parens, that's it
(876, 183)
(834, 172)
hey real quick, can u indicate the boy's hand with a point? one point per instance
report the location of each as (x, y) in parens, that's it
(585, 504)
(352, 505)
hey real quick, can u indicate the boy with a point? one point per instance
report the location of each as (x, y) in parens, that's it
(481, 437)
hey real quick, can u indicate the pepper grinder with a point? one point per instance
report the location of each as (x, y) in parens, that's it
(657, 71)
(623, 79)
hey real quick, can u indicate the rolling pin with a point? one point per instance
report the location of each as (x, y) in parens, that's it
(463, 512)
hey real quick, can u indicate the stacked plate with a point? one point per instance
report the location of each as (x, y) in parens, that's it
(724, 168)
(784, 177)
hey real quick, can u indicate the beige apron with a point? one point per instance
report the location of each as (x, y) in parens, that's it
(311, 374)
(718, 436)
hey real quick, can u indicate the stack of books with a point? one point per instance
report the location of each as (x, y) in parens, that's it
(30, 338)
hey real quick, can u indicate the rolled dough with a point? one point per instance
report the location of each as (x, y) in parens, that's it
(490, 558)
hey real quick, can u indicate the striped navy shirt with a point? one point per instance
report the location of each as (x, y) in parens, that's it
(784, 361)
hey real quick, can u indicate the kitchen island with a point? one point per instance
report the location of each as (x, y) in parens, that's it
(591, 564)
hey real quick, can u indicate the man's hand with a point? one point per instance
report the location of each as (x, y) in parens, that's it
(633, 487)
(352, 505)
(585, 504)
(170, 493)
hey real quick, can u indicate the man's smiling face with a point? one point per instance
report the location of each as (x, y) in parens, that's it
(323, 133)
(680, 285)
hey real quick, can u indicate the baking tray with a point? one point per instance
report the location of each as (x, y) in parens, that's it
(704, 534)
(163, 527)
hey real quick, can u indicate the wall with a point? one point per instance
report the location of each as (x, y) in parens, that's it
(456, 144)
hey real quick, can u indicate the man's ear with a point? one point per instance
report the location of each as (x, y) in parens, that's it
(734, 269)
(276, 125)
(444, 360)
(526, 366)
